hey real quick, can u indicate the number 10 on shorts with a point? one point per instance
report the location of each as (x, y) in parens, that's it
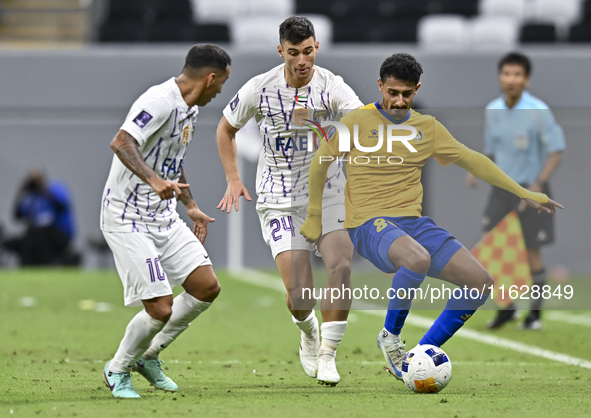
(155, 270)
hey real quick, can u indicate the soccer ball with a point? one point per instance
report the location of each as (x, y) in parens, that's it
(426, 369)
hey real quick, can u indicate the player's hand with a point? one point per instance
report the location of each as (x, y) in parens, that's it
(232, 196)
(200, 222)
(167, 189)
(535, 187)
(549, 208)
(312, 228)
(471, 180)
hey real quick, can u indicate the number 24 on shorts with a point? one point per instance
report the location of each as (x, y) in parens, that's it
(276, 224)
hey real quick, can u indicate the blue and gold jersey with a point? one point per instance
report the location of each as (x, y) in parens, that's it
(385, 161)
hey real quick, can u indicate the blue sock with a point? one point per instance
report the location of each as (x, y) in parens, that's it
(404, 279)
(453, 317)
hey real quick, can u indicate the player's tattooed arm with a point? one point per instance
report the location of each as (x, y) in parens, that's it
(127, 150)
(186, 197)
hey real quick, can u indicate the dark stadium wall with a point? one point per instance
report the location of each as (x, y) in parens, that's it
(60, 110)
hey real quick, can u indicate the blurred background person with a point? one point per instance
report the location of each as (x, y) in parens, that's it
(46, 210)
(522, 137)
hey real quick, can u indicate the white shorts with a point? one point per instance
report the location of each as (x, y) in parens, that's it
(151, 264)
(281, 227)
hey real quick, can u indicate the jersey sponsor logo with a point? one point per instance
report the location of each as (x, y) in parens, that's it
(291, 143)
(234, 103)
(142, 119)
(170, 165)
(186, 134)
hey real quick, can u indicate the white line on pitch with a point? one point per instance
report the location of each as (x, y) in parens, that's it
(577, 319)
(274, 282)
(362, 362)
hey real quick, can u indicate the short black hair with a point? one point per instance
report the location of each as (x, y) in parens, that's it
(206, 56)
(296, 29)
(518, 59)
(403, 67)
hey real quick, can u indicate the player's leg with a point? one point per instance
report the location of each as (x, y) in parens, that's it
(144, 282)
(201, 289)
(413, 262)
(337, 252)
(392, 250)
(538, 230)
(500, 203)
(291, 253)
(458, 266)
(533, 320)
(296, 271)
(187, 263)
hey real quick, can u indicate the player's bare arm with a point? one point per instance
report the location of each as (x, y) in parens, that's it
(226, 140)
(199, 218)
(127, 150)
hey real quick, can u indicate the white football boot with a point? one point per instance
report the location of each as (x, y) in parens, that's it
(327, 369)
(309, 346)
(393, 354)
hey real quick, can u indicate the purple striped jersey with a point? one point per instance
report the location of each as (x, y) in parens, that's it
(283, 115)
(162, 124)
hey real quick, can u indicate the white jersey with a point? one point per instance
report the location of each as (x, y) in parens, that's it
(282, 113)
(162, 124)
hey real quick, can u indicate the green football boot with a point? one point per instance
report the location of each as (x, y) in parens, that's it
(152, 371)
(119, 383)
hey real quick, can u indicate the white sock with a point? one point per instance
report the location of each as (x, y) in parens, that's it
(332, 335)
(138, 334)
(390, 338)
(308, 325)
(185, 308)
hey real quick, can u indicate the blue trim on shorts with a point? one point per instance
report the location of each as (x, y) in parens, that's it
(374, 245)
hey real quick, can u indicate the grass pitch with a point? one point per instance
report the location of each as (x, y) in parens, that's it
(240, 359)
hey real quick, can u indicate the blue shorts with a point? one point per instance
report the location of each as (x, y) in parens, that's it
(373, 239)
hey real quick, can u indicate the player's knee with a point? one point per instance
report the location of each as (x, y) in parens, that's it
(340, 272)
(488, 281)
(419, 262)
(161, 312)
(211, 292)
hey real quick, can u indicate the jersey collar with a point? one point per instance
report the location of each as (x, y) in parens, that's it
(389, 117)
(520, 103)
(186, 111)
